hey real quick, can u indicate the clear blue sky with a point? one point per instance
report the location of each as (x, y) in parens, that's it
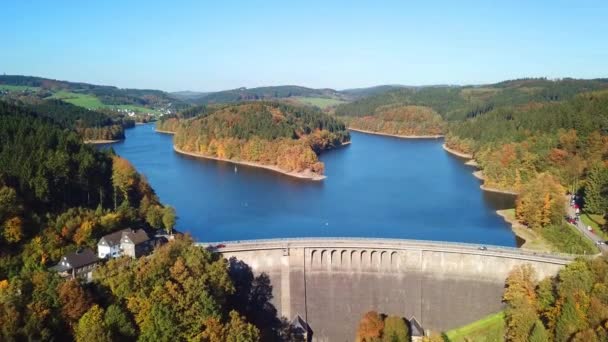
(214, 45)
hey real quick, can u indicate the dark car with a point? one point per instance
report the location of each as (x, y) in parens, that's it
(221, 245)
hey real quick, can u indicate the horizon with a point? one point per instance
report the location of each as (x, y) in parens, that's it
(320, 88)
(214, 47)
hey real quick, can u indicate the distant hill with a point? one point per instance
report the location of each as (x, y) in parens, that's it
(460, 102)
(266, 93)
(188, 95)
(92, 96)
(369, 91)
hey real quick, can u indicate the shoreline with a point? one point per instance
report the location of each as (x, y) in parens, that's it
(478, 173)
(532, 240)
(95, 142)
(163, 132)
(301, 175)
(456, 153)
(438, 136)
(516, 227)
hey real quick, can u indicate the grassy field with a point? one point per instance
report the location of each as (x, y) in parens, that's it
(320, 102)
(595, 221)
(92, 102)
(566, 238)
(562, 238)
(81, 100)
(16, 88)
(488, 329)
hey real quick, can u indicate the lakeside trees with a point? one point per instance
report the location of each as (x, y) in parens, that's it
(375, 327)
(401, 120)
(288, 137)
(56, 195)
(573, 306)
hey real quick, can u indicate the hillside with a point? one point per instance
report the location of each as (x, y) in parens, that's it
(91, 125)
(58, 196)
(266, 93)
(461, 102)
(400, 120)
(269, 134)
(92, 96)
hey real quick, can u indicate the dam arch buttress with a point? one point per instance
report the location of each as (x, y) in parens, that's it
(332, 282)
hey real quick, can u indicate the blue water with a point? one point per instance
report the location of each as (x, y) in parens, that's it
(376, 187)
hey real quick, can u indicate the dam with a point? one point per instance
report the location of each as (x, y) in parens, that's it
(332, 282)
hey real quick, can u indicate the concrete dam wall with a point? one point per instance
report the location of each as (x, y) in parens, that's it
(331, 283)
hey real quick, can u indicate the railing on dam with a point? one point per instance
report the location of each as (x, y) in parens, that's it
(383, 243)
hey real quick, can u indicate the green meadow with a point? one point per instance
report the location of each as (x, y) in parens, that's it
(16, 88)
(92, 102)
(488, 329)
(320, 102)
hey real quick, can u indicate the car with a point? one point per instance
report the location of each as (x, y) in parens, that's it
(221, 245)
(483, 248)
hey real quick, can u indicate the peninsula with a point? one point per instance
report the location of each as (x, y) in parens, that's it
(271, 135)
(401, 121)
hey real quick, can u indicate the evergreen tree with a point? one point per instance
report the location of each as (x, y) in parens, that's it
(539, 333)
(596, 190)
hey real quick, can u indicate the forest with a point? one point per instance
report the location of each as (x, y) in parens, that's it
(462, 102)
(90, 124)
(572, 306)
(57, 195)
(270, 133)
(535, 137)
(401, 120)
(108, 95)
(264, 93)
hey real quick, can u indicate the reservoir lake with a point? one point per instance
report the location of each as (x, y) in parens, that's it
(378, 186)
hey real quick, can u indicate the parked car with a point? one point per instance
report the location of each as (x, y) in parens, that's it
(483, 248)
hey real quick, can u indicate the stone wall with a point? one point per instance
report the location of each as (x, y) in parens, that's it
(332, 283)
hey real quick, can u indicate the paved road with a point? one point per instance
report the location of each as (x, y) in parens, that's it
(583, 228)
(330, 243)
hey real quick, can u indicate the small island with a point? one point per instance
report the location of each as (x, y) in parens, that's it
(401, 121)
(276, 136)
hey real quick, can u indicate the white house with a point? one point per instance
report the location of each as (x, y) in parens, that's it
(124, 242)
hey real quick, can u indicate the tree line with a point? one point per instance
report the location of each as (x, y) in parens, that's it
(57, 195)
(270, 133)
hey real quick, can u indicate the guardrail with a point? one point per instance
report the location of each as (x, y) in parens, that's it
(283, 242)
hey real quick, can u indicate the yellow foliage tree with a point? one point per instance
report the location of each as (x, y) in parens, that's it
(13, 229)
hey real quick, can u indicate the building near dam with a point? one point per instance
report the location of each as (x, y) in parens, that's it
(331, 282)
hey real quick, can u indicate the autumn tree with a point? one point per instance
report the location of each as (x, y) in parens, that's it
(123, 179)
(395, 330)
(75, 301)
(521, 300)
(91, 326)
(541, 202)
(154, 217)
(169, 219)
(13, 230)
(370, 327)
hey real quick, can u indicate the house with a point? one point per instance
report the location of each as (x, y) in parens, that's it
(416, 330)
(77, 264)
(133, 243)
